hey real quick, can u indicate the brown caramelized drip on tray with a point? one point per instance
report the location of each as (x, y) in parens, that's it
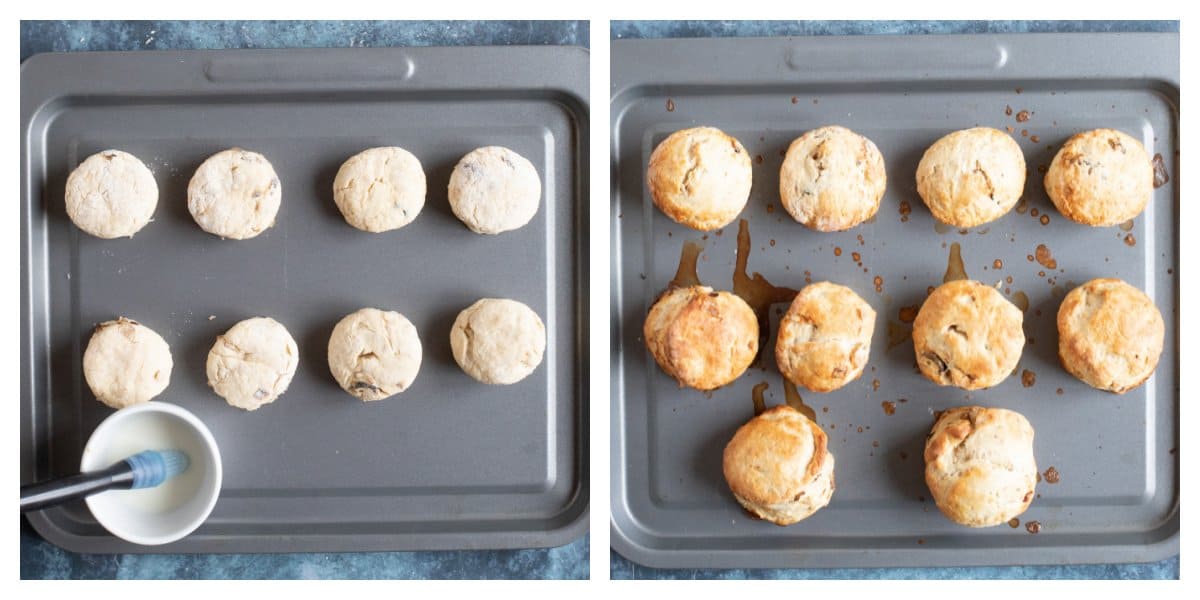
(685, 275)
(954, 266)
(1021, 300)
(1044, 258)
(760, 404)
(795, 401)
(898, 333)
(755, 289)
(1160, 172)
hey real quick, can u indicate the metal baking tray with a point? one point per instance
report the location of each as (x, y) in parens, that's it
(450, 463)
(1117, 498)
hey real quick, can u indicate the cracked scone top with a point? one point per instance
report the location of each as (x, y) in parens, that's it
(499, 341)
(1110, 335)
(126, 363)
(374, 354)
(968, 335)
(380, 189)
(832, 179)
(234, 194)
(252, 364)
(825, 337)
(1101, 177)
(779, 467)
(493, 190)
(972, 176)
(111, 194)
(703, 338)
(700, 177)
(979, 465)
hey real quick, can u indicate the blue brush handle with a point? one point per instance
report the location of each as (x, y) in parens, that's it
(142, 470)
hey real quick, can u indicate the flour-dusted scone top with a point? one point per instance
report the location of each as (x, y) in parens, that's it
(374, 353)
(700, 177)
(235, 194)
(126, 363)
(380, 189)
(111, 194)
(253, 363)
(493, 189)
(498, 341)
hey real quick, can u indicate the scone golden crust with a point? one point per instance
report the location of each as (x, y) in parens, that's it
(700, 177)
(702, 338)
(968, 335)
(971, 177)
(1110, 335)
(778, 466)
(979, 465)
(825, 337)
(1100, 177)
(832, 179)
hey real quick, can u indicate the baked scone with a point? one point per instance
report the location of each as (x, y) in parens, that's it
(380, 189)
(494, 189)
(979, 465)
(235, 194)
(832, 179)
(498, 341)
(111, 194)
(700, 177)
(253, 363)
(968, 335)
(702, 338)
(1101, 177)
(374, 353)
(825, 338)
(1110, 335)
(971, 177)
(126, 363)
(779, 467)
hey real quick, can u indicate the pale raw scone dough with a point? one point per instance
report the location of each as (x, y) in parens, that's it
(972, 176)
(832, 179)
(111, 194)
(253, 363)
(703, 338)
(126, 363)
(825, 337)
(779, 467)
(499, 341)
(1101, 177)
(374, 354)
(493, 190)
(235, 194)
(700, 177)
(979, 465)
(968, 335)
(380, 189)
(1110, 335)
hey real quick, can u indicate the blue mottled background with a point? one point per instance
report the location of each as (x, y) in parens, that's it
(624, 569)
(41, 560)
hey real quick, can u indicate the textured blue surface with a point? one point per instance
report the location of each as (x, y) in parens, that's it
(41, 560)
(621, 568)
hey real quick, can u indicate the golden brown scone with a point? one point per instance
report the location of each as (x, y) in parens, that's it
(971, 177)
(825, 337)
(979, 465)
(700, 177)
(704, 339)
(832, 179)
(1100, 177)
(778, 466)
(1110, 335)
(968, 335)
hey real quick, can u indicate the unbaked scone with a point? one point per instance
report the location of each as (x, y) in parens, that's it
(700, 177)
(1110, 335)
(832, 179)
(496, 340)
(1101, 177)
(234, 194)
(493, 190)
(825, 337)
(126, 363)
(252, 364)
(979, 465)
(702, 338)
(968, 335)
(972, 176)
(111, 194)
(779, 467)
(380, 189)
(374, 354)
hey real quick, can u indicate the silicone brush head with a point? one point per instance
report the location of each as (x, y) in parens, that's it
(153, 467)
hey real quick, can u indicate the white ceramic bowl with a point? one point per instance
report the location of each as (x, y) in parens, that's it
(169, 512)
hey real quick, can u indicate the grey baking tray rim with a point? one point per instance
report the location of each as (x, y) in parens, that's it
(704, 70)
